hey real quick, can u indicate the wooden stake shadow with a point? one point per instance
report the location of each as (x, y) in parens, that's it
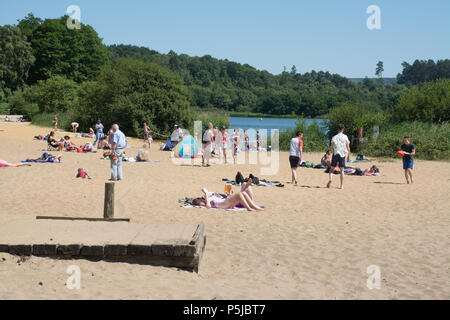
(387, 182)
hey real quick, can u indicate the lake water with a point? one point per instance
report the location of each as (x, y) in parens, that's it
(281, 124)
(269, 124)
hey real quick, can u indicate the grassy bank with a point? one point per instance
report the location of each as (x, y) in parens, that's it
(45, 120)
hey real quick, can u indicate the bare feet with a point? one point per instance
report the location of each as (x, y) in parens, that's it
(329, 184)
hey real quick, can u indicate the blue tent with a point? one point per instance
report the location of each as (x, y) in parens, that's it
(186, 148)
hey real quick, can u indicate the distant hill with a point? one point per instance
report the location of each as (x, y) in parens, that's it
(387, 81)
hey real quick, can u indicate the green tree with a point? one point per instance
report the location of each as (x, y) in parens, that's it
(131, 92)
(57, 94)
(16, 59)
(427, 103)
(77, 54)
(379, 70)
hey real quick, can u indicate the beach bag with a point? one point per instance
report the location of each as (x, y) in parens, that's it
(239, 178)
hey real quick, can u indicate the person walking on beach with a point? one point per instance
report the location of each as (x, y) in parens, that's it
(409, 150)
(246, 141)
(340, 149)
(118, 143)
(224, 142)
(99, 131)
(146, 131)
(295, 155)
(55, 122)
(207, 140)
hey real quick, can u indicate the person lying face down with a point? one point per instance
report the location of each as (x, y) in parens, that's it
(241, 199)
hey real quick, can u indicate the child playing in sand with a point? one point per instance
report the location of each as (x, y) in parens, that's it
(82, 174)
(235, 145)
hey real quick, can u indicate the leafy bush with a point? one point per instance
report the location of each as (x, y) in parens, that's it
(57, 94)
(353, 117)
(4, 108)
(24, 101)
(314, 136)
(131, 92)
(432, 141)
(427, 103)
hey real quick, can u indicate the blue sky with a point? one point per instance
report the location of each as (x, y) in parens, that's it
(329, 35)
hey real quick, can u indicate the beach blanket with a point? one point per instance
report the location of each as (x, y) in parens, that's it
(262, 183)
(37, 161)
(187, 205)
(134, 160)
(363, 160)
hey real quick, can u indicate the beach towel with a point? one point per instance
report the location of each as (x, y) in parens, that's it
(363, 160)
(45, 158)
(187, 205)
(135, 160)
(262, 183)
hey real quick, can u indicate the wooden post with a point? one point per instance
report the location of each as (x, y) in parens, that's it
(108, 212)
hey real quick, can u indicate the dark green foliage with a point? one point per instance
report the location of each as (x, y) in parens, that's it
(314, 136)
(432, 141)
(422, 71)
(57, 94)
(233, 87)
(354, 116)
(131, 92)
(77, 54)
(16, 59)
(427, 103)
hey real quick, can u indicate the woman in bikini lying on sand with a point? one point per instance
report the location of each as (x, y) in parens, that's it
(242, 199)
(4, 164)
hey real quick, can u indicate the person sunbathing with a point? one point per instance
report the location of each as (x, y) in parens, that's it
(5, 164)
(373, 171)
(143, 154)
(242, 199)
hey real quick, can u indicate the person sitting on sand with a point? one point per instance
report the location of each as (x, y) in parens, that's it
(5, 164)
(143, 154)
(81, 173)
(103, 144)
(242, 199)
(55, 143)
(69, 145)
(326, 159)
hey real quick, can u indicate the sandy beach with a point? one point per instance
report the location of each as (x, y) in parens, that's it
(309, 243)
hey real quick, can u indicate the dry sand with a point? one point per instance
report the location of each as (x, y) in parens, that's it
(309, 243)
